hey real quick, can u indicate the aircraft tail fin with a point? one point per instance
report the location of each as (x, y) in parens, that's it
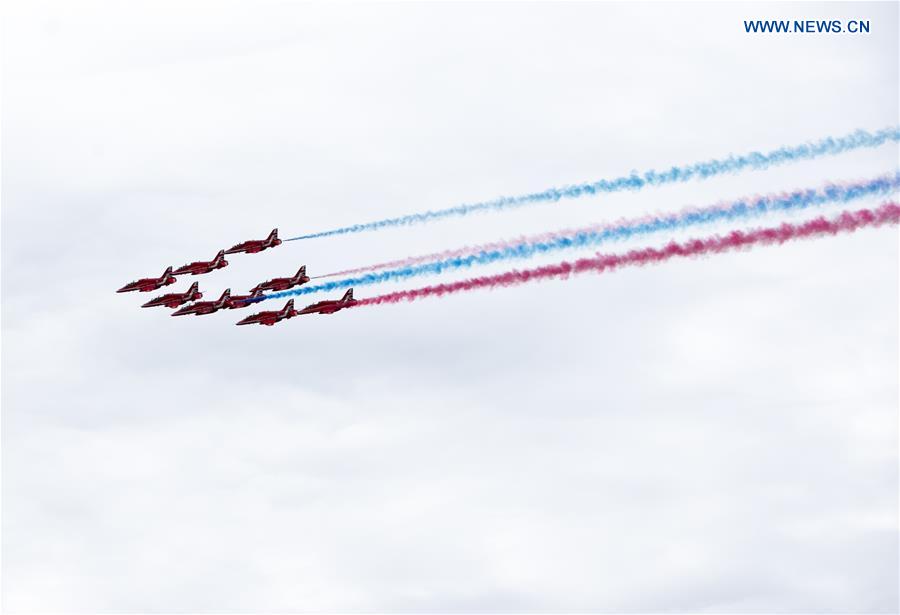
(194, 287)
(301, 272)
(167, 272)
(348, 296)
(273, 234)
(289, 306)
(226, 295)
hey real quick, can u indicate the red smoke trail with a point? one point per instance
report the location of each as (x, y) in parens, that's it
(847, 222)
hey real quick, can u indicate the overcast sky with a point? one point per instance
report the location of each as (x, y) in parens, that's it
(718, 434)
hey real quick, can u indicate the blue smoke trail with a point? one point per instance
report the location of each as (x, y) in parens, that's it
(737, 210)
(828, 146)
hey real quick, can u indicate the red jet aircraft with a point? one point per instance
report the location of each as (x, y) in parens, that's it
(173, 300)
(205, 307)
(256, 245)
(270, 318)
(241, 301)
(285, 283)
(330, 307)
(203, 266)
(145, 285)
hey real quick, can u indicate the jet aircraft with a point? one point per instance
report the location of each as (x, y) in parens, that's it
(205, 307)
(256, 245)
(270, 318)
(299, 279)
(145, 285)
(199, 267)
(330, 307)
(241, 301)
(173, 300)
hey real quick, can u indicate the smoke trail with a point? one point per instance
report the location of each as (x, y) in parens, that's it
(624, 230)
(828, 146)
(831, 192)
(847, 222)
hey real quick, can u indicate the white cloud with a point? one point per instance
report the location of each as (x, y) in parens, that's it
(711, 435)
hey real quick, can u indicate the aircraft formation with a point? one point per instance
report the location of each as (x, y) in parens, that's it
(188, 303)
(739, 212)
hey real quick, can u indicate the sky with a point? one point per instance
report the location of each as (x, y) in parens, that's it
(707, 435)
